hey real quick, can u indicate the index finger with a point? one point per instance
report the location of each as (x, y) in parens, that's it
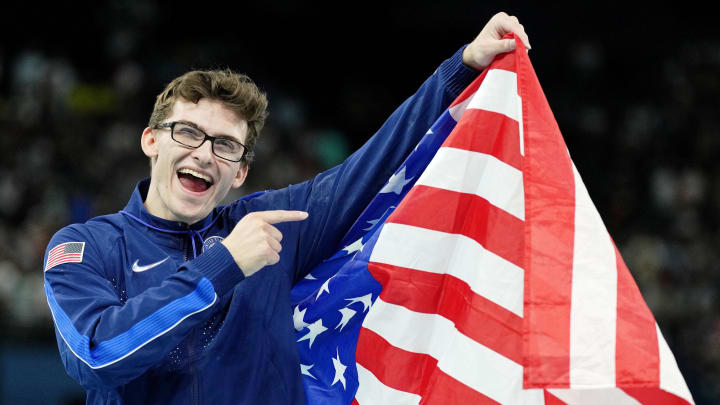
(276, 216)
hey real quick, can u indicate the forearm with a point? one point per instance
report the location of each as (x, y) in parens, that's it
(336, 198)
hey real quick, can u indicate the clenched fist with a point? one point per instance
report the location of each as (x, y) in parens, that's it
(489, 43)
(255, 243)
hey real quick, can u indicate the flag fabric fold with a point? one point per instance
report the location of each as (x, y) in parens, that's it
(482, 273)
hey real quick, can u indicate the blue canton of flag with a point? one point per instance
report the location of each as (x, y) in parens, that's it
(330, 304)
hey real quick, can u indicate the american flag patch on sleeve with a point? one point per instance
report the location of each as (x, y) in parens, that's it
(68, 252)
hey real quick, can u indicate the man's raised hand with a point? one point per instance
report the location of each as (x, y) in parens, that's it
(255, 243)
(488, 44)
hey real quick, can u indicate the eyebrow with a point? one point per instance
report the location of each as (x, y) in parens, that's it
(223, 136)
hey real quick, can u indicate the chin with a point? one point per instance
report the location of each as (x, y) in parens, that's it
(191, 212)
(190, 207)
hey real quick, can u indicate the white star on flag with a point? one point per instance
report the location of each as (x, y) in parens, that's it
(339, 369)
(372, 222)
(315, 329)
(365, 299)
(354, 247)
(310, 277)
(298, 316)
(396, 183)
(305, 370)
(325, 287)
(347, 313)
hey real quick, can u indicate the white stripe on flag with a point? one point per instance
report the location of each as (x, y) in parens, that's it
(480, 174)
(497, 93)
(372, 391)
(487, 274)
(604, 396)
(594, 297)
(458, 356)
(458, 110)
(534, 396)
(670, 378)
(521, 131)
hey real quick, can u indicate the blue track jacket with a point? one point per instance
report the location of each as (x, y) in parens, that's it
(151, 311)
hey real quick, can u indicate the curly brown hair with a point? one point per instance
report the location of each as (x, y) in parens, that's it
(235, 90)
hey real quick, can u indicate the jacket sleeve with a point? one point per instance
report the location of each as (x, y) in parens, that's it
(338, 196)
(106, 339)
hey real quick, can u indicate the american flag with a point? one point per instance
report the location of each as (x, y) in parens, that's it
(68, 252)
(483, 274)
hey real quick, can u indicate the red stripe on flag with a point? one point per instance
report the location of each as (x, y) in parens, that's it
(354, 402)
(504, 61)
(473, 315)
(465, 214)
(64, 257)
(652, 396)
(637, 358)
(412, 372)
(551, 399)
(55, 262)
(488, 132)
(549, 237)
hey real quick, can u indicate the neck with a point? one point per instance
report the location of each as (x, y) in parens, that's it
(154, 204)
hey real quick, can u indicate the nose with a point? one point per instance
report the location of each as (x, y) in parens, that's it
(203, 154)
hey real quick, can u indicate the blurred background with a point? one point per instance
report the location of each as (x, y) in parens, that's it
(634, 90)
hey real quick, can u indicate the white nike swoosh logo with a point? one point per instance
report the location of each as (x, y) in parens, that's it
(138, 269)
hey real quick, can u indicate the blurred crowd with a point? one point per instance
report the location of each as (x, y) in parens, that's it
(643, 131)
(70, 151)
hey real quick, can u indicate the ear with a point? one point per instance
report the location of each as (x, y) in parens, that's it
(148, 143)
(240, 175)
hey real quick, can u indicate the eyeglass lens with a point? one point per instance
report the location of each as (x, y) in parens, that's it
(222, 147)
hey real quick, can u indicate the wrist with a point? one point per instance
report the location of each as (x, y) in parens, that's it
(455, 75)
(217, 265)
(235, 257)
(467, 57)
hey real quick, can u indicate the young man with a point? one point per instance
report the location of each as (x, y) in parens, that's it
(178, 300)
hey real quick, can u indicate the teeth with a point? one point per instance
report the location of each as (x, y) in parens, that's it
(196, 174)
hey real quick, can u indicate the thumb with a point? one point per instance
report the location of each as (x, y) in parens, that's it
(488, 51)
(505, 45)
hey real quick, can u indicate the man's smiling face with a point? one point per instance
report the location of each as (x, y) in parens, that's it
(186, 183)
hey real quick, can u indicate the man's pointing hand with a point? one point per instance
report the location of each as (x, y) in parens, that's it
(255, 243)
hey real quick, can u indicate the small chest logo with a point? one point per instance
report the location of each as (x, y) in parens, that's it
(139, 269)
(212, 241)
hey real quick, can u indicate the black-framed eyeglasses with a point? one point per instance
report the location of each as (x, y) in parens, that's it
(192, 137)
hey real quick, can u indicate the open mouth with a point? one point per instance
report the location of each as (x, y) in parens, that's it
(194, 181)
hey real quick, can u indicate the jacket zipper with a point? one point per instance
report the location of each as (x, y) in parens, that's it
(195, 386)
